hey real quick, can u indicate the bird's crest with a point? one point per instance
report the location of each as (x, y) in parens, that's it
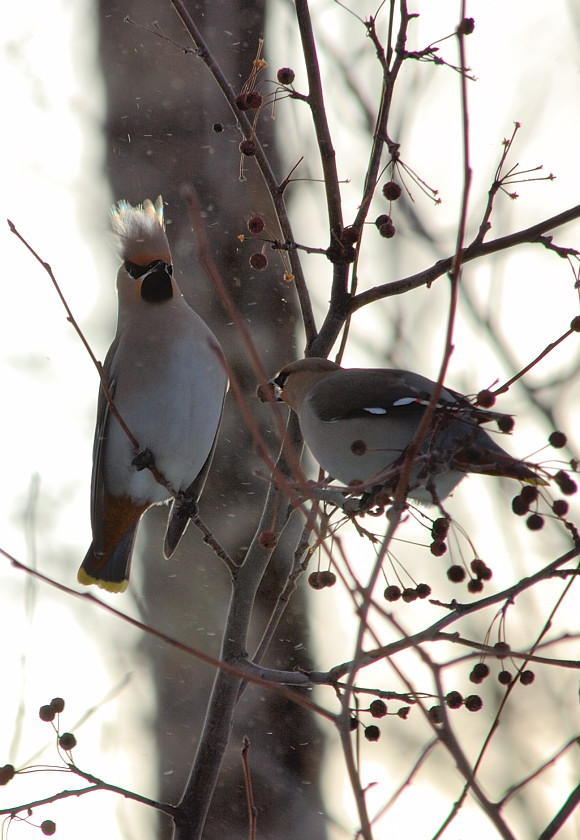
(140, 232)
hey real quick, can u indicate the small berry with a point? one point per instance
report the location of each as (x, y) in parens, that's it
(435, 714)
(535, 522)
(423, 590)
(285, 75)
(253, 100)
(387, 230)
(505, 423)
(358, 447)
(557, 440)
(268, 540)
(352, 723)
(501, 649)
(560, 507)
(453, 700)
(565, 483)
(350, 235)
(248, 148)
(485, 398)
(575, 324)
(519, 507)
(466, 26)
(218, 127)
(67, 741)
(327, 578)
(378, 708)
(383, 219)
(479, 672)
(339, 254)
(7, 773)
(241, 102)
(473, 703)
(372, 733)
(258, 261)
(392, 593)
(529, 494)
(409, 595)
(480, 569)
(314, 580)
(256, 224)
(527, 677)
(48, 827)
(474, 586)
(392, 191)
(403, 712)
(57, 704)
(504, 677)
(440, 527)
(46, 713)
(456, 574)
(438, 548)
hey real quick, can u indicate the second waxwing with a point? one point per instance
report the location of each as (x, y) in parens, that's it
(166, 376)
(358, 424)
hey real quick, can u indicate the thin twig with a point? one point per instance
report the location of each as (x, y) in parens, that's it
(531, 235)
(252, 810)
(276, 194)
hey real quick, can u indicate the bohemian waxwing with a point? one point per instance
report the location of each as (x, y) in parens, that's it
(358, 423)
(167, 380)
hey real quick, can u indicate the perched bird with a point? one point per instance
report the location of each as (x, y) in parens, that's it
(358, 424)
(164, 371)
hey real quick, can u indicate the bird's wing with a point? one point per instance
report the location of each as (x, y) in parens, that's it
(185, 505)
(351, 393)
(99, 444)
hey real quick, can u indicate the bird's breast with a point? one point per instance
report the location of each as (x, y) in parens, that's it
(169, 390)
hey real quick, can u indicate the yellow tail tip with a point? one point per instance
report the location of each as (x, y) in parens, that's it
(536, 481)
(109, 585)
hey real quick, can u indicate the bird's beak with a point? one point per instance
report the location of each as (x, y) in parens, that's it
(268, 392)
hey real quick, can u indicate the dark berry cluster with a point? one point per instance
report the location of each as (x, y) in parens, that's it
(377, 709)
(48, 712)
(439, 531)
(455, 700)
(320, 580)
(250, 101)
(408, 594)
(481, 671)
(385, 226)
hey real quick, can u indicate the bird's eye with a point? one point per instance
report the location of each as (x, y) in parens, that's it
(134, 270)
(280, 380)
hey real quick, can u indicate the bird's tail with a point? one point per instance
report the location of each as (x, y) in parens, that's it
(492, 460)
(110, 573)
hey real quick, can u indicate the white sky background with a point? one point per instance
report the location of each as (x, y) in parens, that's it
(528, 69)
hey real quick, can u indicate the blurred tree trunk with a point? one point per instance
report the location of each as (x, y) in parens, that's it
(160, 135)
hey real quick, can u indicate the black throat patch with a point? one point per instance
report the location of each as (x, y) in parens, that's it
(156, 286)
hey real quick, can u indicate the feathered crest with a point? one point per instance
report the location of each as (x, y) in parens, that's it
(140, 232)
